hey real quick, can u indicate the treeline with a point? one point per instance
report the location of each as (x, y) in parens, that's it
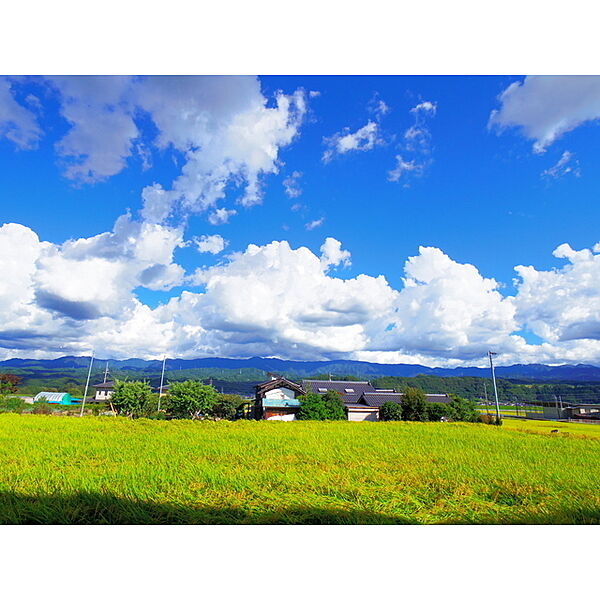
(476, 388)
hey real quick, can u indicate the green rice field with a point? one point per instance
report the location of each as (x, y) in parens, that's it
(56, 469)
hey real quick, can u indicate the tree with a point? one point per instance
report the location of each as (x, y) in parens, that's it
(132, 398)
(226, 406)
(390, 411)
(190, 399)
(414, 405)
(460, 409)
(436, 411)
(328, 407)
(9, 383)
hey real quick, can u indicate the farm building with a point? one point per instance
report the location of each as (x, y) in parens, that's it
(279, 398)
(104, 391)
(55, 398)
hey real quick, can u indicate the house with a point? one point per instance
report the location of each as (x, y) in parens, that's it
(582, 411)
(278, 398)
(104, 391)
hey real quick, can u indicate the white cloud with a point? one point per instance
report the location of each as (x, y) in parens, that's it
(546, 107)
(314, 94)
(211, 243)
(566, 164)
(225, 130)
(416, 143)
(378, 107)
(314, 224)
(364, 139)
(275, 300)
(562, 304)
(425, 107)
(402, 167)
(17, 123)
(332, 254)
(220, 216)
(291, 185)
(102, 131)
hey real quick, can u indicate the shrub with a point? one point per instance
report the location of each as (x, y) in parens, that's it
(436, 411)
(414, 405)
(390, 411)
(11, 404)
(328, 407)
(132, 398)
(460, 409)
(190, 399)
(9, 383)
(226, 406)
(490, 419)
(42, 408)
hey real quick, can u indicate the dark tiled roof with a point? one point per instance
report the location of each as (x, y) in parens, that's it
(264, 387)
(109, 385)
(380, 398)
(317, 386)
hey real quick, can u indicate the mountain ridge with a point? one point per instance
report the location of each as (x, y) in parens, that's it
(532, 372)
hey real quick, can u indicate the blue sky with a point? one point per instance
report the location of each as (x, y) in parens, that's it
(490, 192)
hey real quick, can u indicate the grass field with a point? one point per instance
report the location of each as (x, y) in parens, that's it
(111, 470)
(570, 429)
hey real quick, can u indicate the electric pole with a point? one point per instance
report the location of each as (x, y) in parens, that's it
(490, 354)
(87, 383)
(162, 378)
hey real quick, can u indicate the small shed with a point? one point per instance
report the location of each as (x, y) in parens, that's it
(55, 398)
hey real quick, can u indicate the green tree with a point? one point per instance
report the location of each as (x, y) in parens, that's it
(9, 383)
(226, 406)
(328, 407)
(436, 410)
(414, 405)
(190, 399)
(390, 411)
(460, 409)
(132, 398)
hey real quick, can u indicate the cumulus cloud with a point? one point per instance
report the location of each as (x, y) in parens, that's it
(566, 164)
(276, 300)
(546, 107)
(211, 243)
(314, 224)
(364, 139)
(17, 123)
(332, 254)
(562, 304)
(291, 185)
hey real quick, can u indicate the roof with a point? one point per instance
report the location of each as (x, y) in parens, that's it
(273, 384)
(443, 398)
(378, 399)
(109, 385)
(351, 391)
(53, 397)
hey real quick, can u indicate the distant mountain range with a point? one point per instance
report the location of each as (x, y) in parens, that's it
(257, 366)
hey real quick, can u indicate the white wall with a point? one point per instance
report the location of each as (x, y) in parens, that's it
(280, 394)
(363, 415)
(290, 417)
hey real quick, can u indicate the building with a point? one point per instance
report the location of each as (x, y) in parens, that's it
(104, 391)
(55, 398)
(278, 398)
(588, 412)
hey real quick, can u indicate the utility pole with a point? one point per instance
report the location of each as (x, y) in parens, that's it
(162, 378)
(487, 402)
(87, 383)
(105, 372)
(490, 354)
